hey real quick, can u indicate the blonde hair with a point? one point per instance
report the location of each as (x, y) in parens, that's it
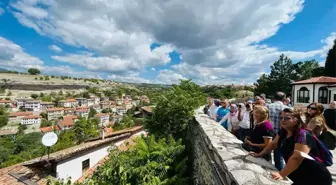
(263, 111)
(319, 125)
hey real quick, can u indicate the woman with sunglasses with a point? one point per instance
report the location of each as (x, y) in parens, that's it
(295, 144)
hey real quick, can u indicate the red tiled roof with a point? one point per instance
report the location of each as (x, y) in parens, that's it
(55, 109)
(72, 100)
(69, 109)
(16, 114)
(31, 117)
(82, 110)
(83, 107)
(5, 101)
(68, 120)
(22, 175)
(318, 80)
(101, 115)
(49, 129)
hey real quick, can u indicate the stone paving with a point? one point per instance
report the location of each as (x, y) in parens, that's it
(238, 167)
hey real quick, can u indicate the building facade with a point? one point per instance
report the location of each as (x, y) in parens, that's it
(33, 106)
(103, 118)
(31, 120)
(55, 113)
(319, 89)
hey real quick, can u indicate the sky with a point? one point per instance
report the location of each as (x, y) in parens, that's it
(221, 42)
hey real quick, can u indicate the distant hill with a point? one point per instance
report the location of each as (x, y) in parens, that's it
(3, 70)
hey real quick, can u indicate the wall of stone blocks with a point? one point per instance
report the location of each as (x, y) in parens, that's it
(219, 159)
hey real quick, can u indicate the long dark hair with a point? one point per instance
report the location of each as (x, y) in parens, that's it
(299, 122)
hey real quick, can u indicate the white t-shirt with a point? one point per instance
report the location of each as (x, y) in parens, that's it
(245, 122)
(213, 111)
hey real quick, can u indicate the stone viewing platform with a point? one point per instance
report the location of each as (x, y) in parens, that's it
(219, 158)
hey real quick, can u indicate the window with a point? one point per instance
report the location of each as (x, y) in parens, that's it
(323, 95)
(85, 165)
(303, 95)
(334, 97)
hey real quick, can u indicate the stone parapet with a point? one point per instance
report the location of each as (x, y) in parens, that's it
(219, 159)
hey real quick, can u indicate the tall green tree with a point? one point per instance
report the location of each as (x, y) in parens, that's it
(34, 71)
(175, 110)
(308, 69)
(330, 64)
(283, 73)
(92, 112)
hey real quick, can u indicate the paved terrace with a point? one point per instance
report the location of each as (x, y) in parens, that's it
(219, 158)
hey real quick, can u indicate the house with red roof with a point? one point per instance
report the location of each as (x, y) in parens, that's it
(82, 112)
(55, 113)
(318, 89)
(6, 102)
(103, 118)
(31, 120)
(68, 103)
(67, 122)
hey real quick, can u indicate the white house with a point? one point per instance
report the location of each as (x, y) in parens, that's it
(95, 99)
(319, 89)
(31, 120)
(103, 118)
(33, 106)
(20, 102)
(73, 162)
(82, 101)
(68, 103)
(82, 112)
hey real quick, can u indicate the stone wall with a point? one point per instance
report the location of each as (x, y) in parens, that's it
(218, 157)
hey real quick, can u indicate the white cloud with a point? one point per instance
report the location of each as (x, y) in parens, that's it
(133, 78)
(219, 41)
(169, 77)
(153, 69)
(55, 48)
(13, 57)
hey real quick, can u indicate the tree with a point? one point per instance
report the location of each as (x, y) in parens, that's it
(175, 110)
(150, 161)
(9, 93)
(330, 64)
(3, 120)
(34, 71)
(86, 128)
(34, 96)
(44, 115)
(308, 69)
(283, 73)
(45, 123)
(92, 112)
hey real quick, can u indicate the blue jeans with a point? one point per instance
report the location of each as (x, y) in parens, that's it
(278, 159)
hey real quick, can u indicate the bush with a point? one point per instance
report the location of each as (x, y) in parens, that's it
(41, 78)
(34, 71)
(34, 96)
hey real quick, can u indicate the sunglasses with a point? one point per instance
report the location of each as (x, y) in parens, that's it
(286, 118)
(312, 108)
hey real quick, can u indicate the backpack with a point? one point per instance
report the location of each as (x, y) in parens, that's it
(325, 156)
(329, 139)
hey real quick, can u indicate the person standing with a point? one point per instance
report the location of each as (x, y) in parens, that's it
(330, 115)
(275, 110)
(232, 117)
(213, 109)
(244, 120)
(222, 111)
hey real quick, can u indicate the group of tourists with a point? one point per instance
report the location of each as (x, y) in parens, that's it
(300, 139)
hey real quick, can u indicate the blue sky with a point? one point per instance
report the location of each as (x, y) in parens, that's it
(166, 44)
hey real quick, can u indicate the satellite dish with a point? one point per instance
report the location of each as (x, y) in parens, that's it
(49, 139)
